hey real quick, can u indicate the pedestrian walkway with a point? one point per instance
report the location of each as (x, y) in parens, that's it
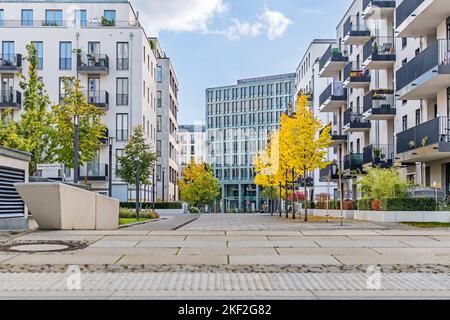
(167, 223)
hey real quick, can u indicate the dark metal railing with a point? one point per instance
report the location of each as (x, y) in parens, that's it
(10, 61)
(405, 9)
(97, 97)
(354, 71)
(379, 3)
(379, 99)
(437, 54)
(355, 23)
(379, 48)
(94, 61)
(93, 23)
(335, 91)
(431, 132)
(380, 154)
(10, 98)
(354, 118)
(333, 53)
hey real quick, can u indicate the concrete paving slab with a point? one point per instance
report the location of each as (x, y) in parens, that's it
(326, 251)
(227, 238)
(391, 259)
(413, 251)
(395, 238)
(175, 260)
(93, 232)
(306, 238)
(427, 244)
(272, 244)
(164, 238)
(344, 232)
(59, 237)
(5, 256)
(114, 244)
(182, 244)
(263, 233)
(128, 251)
(187, 233)
(361, 244)
(415, 232)
(123, 238)
(284, 260)
(228, 251)
(62, 259)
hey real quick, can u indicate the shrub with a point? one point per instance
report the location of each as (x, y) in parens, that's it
(335, 205)
(382, 183)
(364, 204)
(321, 200)
(125, 213)
(408, 204)
(194, 210)
(149, 205)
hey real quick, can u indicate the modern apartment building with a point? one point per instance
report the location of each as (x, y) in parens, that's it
(192, 140)
(239, 121)
(311, 84)
(103, 44)
(167, 168)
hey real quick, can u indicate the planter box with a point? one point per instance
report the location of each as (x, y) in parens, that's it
(348, 214)
(403, 216)
(56, 206)
(170, 212)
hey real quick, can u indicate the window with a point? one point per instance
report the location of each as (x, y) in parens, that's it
(40, 52)
(110, 15)
(81, 18)
(418, 120)
(122, 92)
(2, 17)
(27, 17)
(417, 51)
(404, 62)
(405, 123)
(119, 153)
(121, 127)
(122, 56)
(65, 56)
(159, 74)
(159, 99)
(53, 18)
(159, 123)
(158, 148)
(404, 42)
(158, 172)
(8, 52)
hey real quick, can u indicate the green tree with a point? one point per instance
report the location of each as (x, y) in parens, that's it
(136, 150)
(91, 130)
(198, 186)
(382, 183)
(32, 132)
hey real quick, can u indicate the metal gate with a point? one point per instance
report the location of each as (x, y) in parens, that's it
(11, 204)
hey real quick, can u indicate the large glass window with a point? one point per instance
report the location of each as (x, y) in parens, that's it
(122, 92)
(65, 55)
(53, 18)
(159, 123)
(159, 99)
(158, 148)
(122, 56)
(2, 17)
(27, 17)
(81, 18)
(8, 52)
(159, 74)
(40, 52)
(122, 127)
(110, 15)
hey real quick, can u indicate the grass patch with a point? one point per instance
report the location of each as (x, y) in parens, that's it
(427, 225)
(123, 221)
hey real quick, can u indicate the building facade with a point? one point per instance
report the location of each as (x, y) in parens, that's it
(167, 169)
(239, 121)
(192, 140)
(103, 44)
(311, 84)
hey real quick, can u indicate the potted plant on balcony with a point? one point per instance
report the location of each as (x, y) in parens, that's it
(376, 155)
(412, 144)
(424, 141)
(108, 23)
(375, 48)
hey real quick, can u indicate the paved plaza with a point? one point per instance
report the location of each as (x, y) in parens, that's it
(189, 256)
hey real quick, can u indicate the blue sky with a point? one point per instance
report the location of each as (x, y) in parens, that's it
(216, 42)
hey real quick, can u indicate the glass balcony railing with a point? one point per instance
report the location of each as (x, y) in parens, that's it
(353, 162)
(355, 119)
(10, 61)
(333, 53)
(380, 101)
(380, 49)
(10, 99)
(355, 26)
(93, 63)
(335, 91)
(379, 155)
(94, 171)
(97, 98)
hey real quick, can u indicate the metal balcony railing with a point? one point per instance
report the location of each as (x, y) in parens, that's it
(428, 133)
(93, 62)
(10, 61)
(380, 49)
(97, 98)
(354, 118)
(333, 53)
(379, 155)
(382, 99)
(354, 72)
(335, 91)
(93, 23)
(405, 9)
(437, 54)
(355, 24)
(94, 171)
(10, 99)
(353, 162)
(379, 3)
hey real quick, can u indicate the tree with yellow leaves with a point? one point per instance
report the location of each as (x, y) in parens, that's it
(306, 145)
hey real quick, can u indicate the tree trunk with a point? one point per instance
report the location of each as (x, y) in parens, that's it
(293, 194)
(306, 199)
(280, 201)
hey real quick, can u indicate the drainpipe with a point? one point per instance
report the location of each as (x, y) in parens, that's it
(130, 94)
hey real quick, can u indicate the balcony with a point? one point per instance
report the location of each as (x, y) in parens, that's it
(426, 74)
(426, 142)
(381, 156)
(379, 105)
(379, 53)
(337, 138)
(332, 62)
(353, 162)
(10, 99)
(94, 23)
(416, 18)
(93, 63)
(356, 31)
(355, 76)
(309, 182)
(378, 9)
(333, 97)
(330, 173)
(93, 172)
(100, 99)
(355, 122)
(10, 63)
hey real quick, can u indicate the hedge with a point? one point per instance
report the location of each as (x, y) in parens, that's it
(364, 204)
(149, 205)
(334, 205)
(131, 214)
(408, 204)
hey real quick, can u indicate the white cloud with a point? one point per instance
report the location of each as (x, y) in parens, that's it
(178, 15)
(198, 16)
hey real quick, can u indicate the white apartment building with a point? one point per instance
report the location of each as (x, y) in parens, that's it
(192, 140)
(102, 43)
(310, 83)
(167, 168)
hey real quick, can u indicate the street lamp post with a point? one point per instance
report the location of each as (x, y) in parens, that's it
(76, 151)
(110, 143)
(153, 189)
(163, 186)
(138, 207)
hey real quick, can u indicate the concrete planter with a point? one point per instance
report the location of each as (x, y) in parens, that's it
(56, 206)
(170, 212)
(347, 214)
(403, 216)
